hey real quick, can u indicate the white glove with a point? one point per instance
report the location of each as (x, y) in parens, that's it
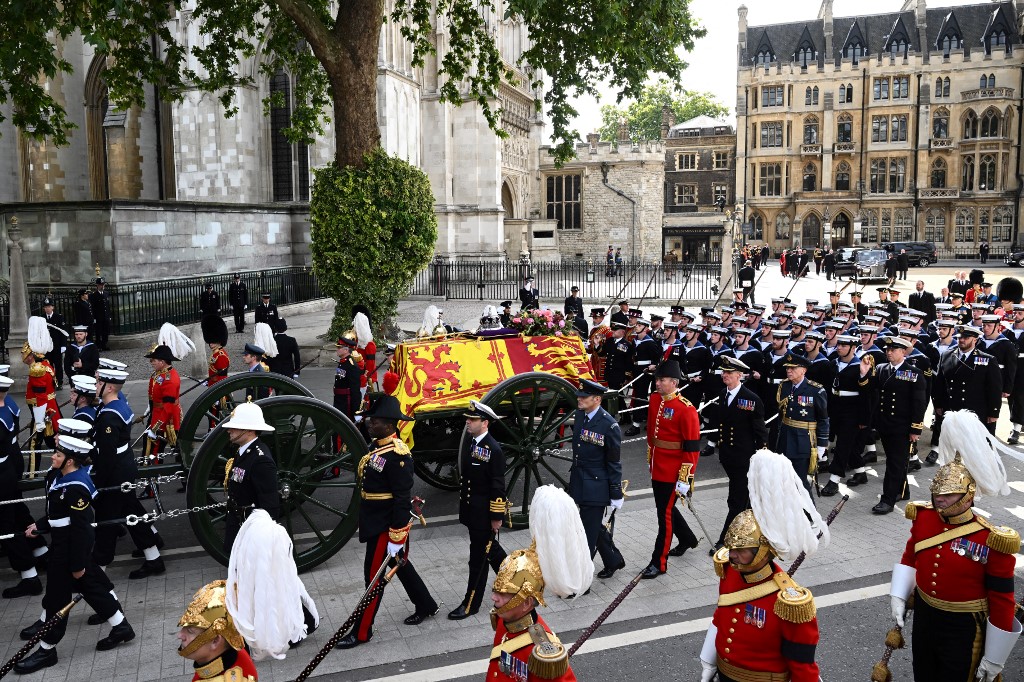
(709, 655)
(39, 417)
(682, 487)
(821, 451)
(63, 349)
(616, 504)
(708, 672)
(395, 547)
(245, 307)
(40, 427)
(899, 610)
(998, 645)
(149, 433)
(987, 670)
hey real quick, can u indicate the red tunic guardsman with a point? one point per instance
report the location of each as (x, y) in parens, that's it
(209, 638)
(599, 334)
(958, 567)
(765, 625)
(366, 348)
(41, 387)
(165, 389)
(525, 648)
(215, 334)
(673, 447)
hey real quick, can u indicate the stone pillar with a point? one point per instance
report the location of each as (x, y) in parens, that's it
(725, 278)
(19, 302)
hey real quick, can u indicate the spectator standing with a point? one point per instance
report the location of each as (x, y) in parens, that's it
(903, 263)
(983, 251)
(924, 301)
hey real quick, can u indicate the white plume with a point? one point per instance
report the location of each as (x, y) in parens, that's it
(783, 508)
(264, 592)
(39, 336)
(561, 542)
(431, 320)
(362, 326)
(963, 432)
(176, 340)
(264, 338)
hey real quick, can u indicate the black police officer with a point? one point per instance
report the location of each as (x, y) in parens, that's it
(595, 478)
(481, 503)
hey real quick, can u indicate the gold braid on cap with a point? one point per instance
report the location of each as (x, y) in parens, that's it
(208, 612)
(745, 533)
(520, 576)
(951, 479)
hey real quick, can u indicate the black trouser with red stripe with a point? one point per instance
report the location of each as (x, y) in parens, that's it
(670, 522)
(376, 554)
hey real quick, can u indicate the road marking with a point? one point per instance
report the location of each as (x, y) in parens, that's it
(632, 638)
(912, 480)
(1016, 485)
(1016, 511)
(984, 513)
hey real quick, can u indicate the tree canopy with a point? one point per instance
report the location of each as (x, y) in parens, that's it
(643, 115)
(574, 46)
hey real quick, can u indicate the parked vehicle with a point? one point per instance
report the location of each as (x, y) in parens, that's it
(1014, 258)
(862, 264)
(919, 253)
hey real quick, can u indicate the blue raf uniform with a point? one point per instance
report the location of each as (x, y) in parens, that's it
(803, 412)
(595, 478)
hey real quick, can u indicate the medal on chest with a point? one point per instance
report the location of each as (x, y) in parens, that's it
(755, 616)
(745, 404)
(513, 667)
(237, 474)
(592, 437)
(377, 462)
(905, 375)
(966, 548)
(622, 347)
(481, 454)
(341, 372)
(669, 411)
(980, 361)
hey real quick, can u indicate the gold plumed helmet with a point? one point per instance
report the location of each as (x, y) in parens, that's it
(520, 575)
(954, 478)
(745, 533)
(351, 336)
(208, 612)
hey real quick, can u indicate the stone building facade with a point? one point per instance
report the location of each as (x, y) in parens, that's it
(868, 129)
(179, 188)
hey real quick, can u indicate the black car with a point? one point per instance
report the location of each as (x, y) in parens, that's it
(918, 253)
(860, 263)
(1014, 258)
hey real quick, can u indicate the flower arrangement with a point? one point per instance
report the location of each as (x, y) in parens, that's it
(542, 322)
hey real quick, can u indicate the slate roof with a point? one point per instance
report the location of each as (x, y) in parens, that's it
(973, 21)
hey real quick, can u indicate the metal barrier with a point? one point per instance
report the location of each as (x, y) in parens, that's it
(144, 306)
(496, 281)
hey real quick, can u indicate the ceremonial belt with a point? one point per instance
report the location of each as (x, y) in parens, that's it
(797, 424)
(123, 449)
(511, 645)
(687, 445)
(973, 606)
(375, 496)
(776, 381)
(748, 594)
(845, 394)
(952, 534)
(743, 675)
(60, 523)
(642, 362)
(693, 375)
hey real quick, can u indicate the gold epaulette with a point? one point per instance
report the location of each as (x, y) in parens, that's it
(398, 535)
(814, 383)
(401, 448)
(36, 370)
(359, 467)
(548, 659)
(794, 603)
(497, 506)
(721, 561)
(265, 366)
(236, 674)
(912, 507)
(683, 400)
(1001, 538)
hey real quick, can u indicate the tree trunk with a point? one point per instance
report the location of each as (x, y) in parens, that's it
(352, 71)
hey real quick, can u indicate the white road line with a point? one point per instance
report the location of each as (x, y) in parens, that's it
(1017, 485)
(912, 480)
(1016, 511)
(984, 513)
(632, 638)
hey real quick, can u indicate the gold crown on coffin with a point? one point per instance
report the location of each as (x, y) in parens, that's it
(745, 533)
(208, 612)
(520, 575)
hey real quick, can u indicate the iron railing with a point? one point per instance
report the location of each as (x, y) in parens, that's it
(496, 281)
(144, 306)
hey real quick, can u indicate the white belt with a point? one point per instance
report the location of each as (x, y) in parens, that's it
(1020, 355)
(776, 381)
(845, 394)
(640, 363)
(693, 374)
(122, 449)
(60, 523)
(1002, 366)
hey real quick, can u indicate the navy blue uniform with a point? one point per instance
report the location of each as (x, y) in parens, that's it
(252, 483)
(88, 353)
(804, 417)
(902, 400)
(14, 518)
(850, 409)
(969, 382)
(741, 433)
(595, 478)
(481, 501)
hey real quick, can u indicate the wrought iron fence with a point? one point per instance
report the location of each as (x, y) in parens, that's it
(144, 306)
(496, 281)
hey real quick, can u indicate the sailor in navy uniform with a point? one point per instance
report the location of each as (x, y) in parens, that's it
(803, 407)
(925, 362)
(775, 358)
(647, 354)
(695, 360)
(850, 407)
(969, 379)
(945, 341)
(820, 369)
(70, 494)
(1001, 348)
(482, 503)
(114, 465)
(22, 552)
(595, 478)
(83, 397)
(83, 356)
(251, 474)
(902, 400)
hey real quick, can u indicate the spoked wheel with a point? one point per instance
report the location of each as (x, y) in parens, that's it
(317, 449)
(217, 401)
(535, 434)
(436, 450)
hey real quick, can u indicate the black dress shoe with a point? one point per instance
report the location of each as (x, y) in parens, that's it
(857, 479)
(651, 571)
(350, 641)
(609, 571)
(460, 612)
(138, 553)
(417, 618)
(148, 568)
(882, 508)
(680, 549)
(96, 619)
(831, 488)
(119, 633)
(632, 431)
(708, 451)
(932, 458)
(37, 660)
(31, 631)
(914, 465)
(26, 587)
(871, 458)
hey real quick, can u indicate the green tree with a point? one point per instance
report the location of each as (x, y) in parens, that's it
(331, 49)
(643, 115)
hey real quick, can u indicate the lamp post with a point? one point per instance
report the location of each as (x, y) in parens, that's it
(18, 301)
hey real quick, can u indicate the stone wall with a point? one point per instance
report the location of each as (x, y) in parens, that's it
(64, 241)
